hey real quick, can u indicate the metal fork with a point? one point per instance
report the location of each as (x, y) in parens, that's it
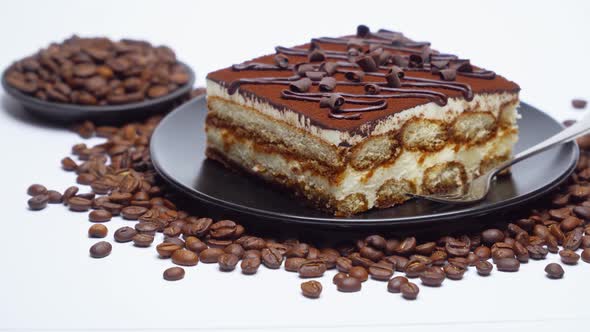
(479, 188)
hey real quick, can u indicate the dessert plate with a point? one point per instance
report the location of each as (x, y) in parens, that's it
(61, 112)
(178, 153)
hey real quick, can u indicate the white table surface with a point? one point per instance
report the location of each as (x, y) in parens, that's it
(47, 280)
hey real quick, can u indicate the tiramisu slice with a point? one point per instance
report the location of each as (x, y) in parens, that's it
(358, 122)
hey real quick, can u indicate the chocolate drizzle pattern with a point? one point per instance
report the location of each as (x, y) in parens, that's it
(368, 55)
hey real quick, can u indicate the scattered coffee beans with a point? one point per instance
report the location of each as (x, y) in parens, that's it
(311, 289)
(38, 202)
(100, 216)
(349, 284)
(36, 189)
(409, 290)
(484, 268)
(125, 234)
(184, 257)
(143, 240)
(569, 257)
(228, 262)
(101, 249)
(174, 273)
(508, 264)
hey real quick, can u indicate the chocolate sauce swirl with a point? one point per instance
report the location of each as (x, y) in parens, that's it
(368, 55)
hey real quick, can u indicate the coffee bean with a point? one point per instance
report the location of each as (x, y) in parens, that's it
(537, 251)
(484, 268)
(235, 249)
(372, 254)
(165, 250)
(432, 276)
(554, 271)
(292, 264)
(174, 240)
(79, 204)
(211, 255)
(359, 273)
(425, 248)
(569, 256)
(338, 277)
(502, 253)
(173, 273)
(376, 241)
(69, 193)
(38, 202)
(579, 103)
(399, 262)
(586, 255)
(454, 271)
(250, 265)
(482, 252)
(311, 289)
(98, 231)
(573, 239)
(570, 223)
(343, 264)
(349, 284)
(457, 248)
(55, 197)
(312, 269)
(36, 189)
(143, 240)
(147, 227)
(414, 268)
(439, 257)
(184, 257)
(125, 234)
(195, 244)
(381, 271)
(394, 285)
(133, 212)
(521, 252)
(101, 249)
(271, 258)
(508, 264)
(99, 216)
(409, 291)
(228, 262)
(492, 235)
(68, 164)
(407, 246)
(582, 212)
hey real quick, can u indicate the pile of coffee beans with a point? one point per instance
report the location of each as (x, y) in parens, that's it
(98, 71)
(123, 183)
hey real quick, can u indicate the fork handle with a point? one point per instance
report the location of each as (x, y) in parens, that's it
(577, 129)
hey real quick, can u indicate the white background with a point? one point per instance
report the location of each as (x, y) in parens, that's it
(47, 280)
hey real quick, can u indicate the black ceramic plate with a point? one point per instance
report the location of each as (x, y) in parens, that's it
(60, 112)
(178, 147)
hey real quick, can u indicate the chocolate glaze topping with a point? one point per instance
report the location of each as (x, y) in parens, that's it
(376, 73)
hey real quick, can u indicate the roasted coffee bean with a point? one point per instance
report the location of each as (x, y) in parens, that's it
(521, 252)
(223, 229)
(349, 284)
(432, 276)
(312, 269)
(38, 202)
(235, 249)
(174, 240)
(381, 271)
(582, 212)
(36, 189)
(99, 216)
(406, 247)
(359, 273)
(250, 264)
(55, 197)
(338, 277)
(211, 255)
(358, 260)
(390, 246)
(537, 251)
(484, 268)
(343, 264)
(586, 255)
(376, 241)
(409, 291)
(414, 268)
(133, 212)
(256, 243)
(371, 253)
(570, 223)
(457, 248)
(311, 289)
(125, 234)
(459, 261)
(143, 240)
(569, 256)
(508, 264)
(199, 227)
(184, 257)
(101, 249)
(97, 231)
(271, 258)
(69, 193)
(399, 262)
(394, 285)
(195, 244)
(79, 204)
(173, 273)
(502, 253)
(424, 259)
(252, 253)
(172, 231)
(165, 250)
(425, 249)
(492, 235)
(453, 271)
(482, 252)
(149, 228)
(68, 164)
(313, 253)
(292, 264)
(221, 244)
(439, 257)
(228, 262)
(573, 239)
(554, 271)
